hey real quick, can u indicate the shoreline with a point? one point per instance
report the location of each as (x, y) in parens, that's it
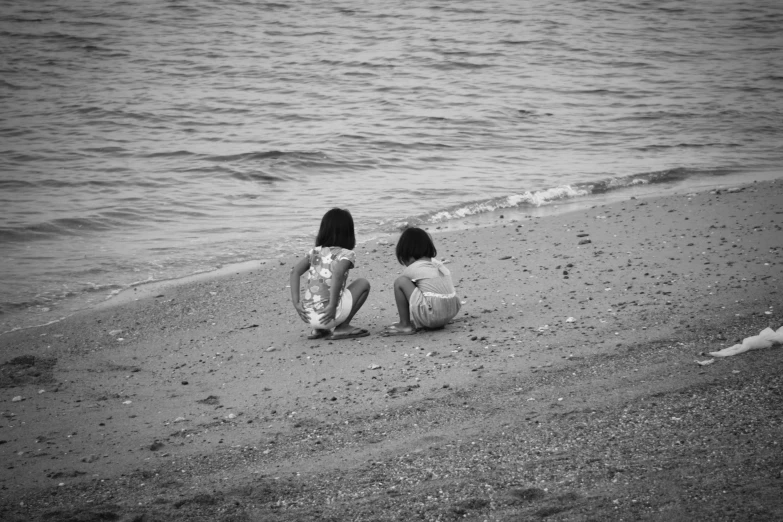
(215, 376)
(84, 302)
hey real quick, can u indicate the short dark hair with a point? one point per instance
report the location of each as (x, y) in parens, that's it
(336, 230)
(414, 243)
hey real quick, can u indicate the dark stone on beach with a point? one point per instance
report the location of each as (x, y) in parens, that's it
(212, 400)
(402, 389)
(155, 446)
(585, 241)
(185, 383)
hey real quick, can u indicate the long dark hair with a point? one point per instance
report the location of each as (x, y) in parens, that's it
(336, 230)
(414, 243)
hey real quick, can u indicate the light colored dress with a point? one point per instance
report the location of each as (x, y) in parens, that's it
(434, 301)
(317, 291)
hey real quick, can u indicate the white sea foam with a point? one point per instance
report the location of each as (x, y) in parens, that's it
(535, 198)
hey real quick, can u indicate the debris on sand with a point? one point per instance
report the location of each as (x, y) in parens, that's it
(766, 339)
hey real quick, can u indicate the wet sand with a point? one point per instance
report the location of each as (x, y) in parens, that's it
(210, 387)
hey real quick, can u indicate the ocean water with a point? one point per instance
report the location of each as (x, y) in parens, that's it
(142, 141)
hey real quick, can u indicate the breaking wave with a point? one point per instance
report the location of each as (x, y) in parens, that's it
(538, 198)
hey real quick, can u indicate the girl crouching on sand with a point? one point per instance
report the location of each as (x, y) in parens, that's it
(424, 293)
(327, 305)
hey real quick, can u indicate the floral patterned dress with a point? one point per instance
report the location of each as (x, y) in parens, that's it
(323, 263)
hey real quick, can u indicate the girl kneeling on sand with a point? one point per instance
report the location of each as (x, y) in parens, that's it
(424, 293)
(327, 305)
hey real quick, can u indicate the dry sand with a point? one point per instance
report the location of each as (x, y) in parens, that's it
(566, 389)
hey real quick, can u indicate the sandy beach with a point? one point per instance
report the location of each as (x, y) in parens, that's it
(569, 387)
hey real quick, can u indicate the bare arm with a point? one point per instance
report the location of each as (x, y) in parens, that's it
(339, 276)
(296, 274)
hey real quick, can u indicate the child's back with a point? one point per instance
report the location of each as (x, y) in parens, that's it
(320, 276)
(424, 293)
(327, 304)
(435, 301)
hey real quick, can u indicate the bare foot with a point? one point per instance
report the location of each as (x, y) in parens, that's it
(396, 329)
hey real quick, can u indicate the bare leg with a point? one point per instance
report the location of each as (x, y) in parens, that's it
(360, 289)
(403, 288)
